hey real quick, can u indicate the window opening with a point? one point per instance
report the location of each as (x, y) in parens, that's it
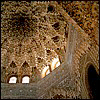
(13, 80)
(25, 79)
(55, 63)
(45, 71)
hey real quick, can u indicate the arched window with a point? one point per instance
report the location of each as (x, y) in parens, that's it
(45, 71)
(25, 65)
(25, 79)
(55, 63)
(13, 80)
(13, 65)
(94, 82)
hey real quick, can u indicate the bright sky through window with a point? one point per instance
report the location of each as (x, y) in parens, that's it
(13, 80)
(47, 72)
(25, 79)
(55, 61)
(57, 64)
(44, 71)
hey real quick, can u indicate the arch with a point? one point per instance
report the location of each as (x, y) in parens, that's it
(13, 65)
(12, 79)
(45, 71)
(55, 63)
(92, 80)
(25, 65)
(25, 79)
(84, 78)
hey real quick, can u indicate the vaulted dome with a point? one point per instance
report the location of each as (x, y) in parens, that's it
(34, 35)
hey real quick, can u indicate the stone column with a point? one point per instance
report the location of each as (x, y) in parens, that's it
(19, 74)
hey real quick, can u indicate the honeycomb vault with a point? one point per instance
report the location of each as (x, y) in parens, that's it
(32, 34)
